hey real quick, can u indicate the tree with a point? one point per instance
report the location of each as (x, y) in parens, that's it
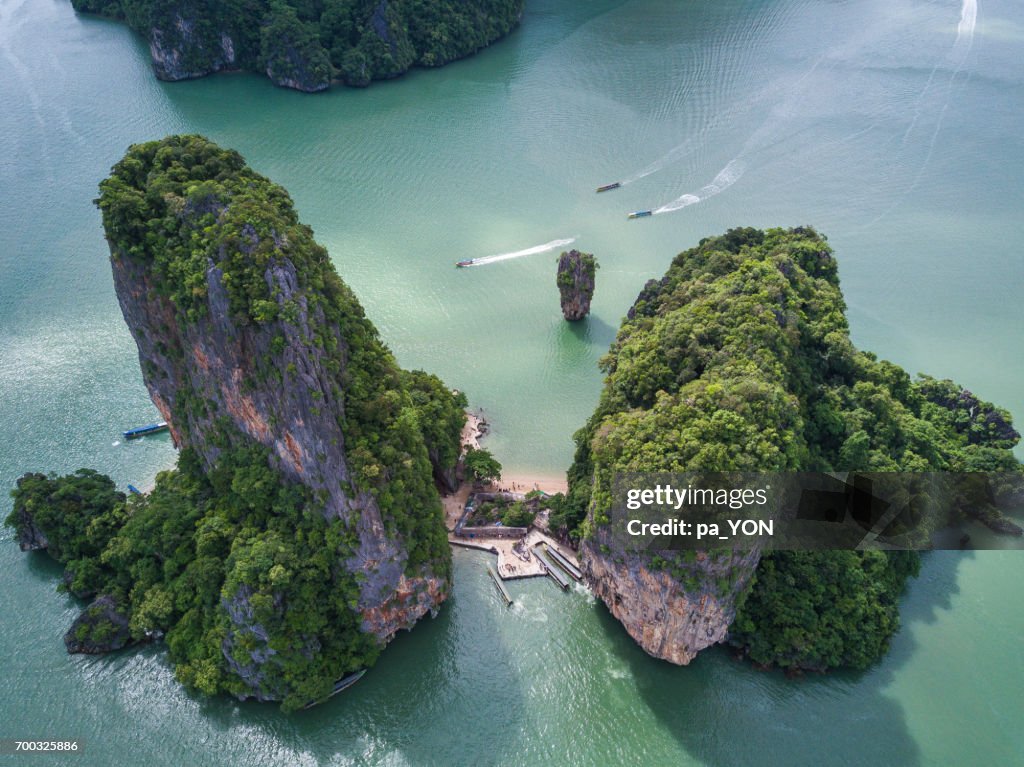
(481, 465)
(518, 514)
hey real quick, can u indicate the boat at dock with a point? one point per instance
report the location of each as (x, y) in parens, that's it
(342, 684)
(608, 187)
(142, 431)
(641, 213)
(461, 264)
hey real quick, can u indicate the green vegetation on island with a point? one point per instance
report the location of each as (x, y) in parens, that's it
(739, 358)
(302, 526)
(306, 44)
(503, 508)
(481, 465)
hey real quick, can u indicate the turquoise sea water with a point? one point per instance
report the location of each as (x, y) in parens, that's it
(893, 127)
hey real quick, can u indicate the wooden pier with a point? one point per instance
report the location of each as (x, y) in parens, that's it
(501, 586)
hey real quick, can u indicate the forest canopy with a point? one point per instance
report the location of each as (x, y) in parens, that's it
(308, 43)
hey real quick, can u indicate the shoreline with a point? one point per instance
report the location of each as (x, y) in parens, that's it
(512, 563)
(526, 481)
(477, 428)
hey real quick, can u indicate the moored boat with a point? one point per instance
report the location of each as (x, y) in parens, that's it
(609, 187)
(142, 431)
(342, 684)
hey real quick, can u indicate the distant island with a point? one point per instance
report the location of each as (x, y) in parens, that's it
(308, 46)
(740, 359)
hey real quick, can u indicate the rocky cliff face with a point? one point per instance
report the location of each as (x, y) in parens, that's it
(291, 70)
(221, 380)
(668, 620)
(576, 283)
(205, 374)
(314, 448)
(29, 535)
(181, 52)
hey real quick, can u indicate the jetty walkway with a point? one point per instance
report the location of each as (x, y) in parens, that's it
(513, 552)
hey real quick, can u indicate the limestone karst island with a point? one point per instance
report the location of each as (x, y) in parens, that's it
(511, 383)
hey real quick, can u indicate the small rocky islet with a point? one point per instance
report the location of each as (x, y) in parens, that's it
(575, 280)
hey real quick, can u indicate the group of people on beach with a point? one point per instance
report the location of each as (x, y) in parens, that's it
(515, 488)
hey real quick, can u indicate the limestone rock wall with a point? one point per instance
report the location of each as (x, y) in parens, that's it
(656, 610)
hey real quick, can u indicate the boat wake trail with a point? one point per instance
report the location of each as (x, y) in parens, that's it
(525, 252)
(670, 157)
(726, 177)
(957, 60)
(965, 29)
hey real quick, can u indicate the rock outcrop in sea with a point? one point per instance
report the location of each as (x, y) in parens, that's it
(100, 628)
(182, 48)
(575, 281)
(27, 530)
(303, 527)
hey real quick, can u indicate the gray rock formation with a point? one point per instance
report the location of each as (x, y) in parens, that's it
(298, 418)
(180, 52)
(668, 620)
(30, 537)
(100, 628)
(576, 283)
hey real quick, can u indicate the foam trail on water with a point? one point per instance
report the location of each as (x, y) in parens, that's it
(726, 177)
(666, 159)
(968, 20)
(526, 252)
(958, 58)
(769, 94)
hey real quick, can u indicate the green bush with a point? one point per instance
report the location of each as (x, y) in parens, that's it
(518, 514)
(481, 465)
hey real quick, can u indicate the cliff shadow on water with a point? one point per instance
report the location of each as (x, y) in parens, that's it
(573, 342)
(726, 712)
(592, 330)
(445, 687)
